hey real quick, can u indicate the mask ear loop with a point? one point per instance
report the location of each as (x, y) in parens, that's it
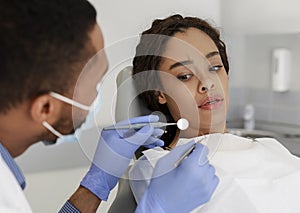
(51, 129)
(69, 101)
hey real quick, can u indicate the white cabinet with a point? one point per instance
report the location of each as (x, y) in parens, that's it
(260, 17)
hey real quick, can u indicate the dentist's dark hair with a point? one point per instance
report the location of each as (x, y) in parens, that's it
(148, 57)
(44, 45)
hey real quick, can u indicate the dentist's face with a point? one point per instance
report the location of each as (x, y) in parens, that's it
(85, 89)
(196, 87)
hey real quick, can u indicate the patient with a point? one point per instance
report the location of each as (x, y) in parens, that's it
(181, 70)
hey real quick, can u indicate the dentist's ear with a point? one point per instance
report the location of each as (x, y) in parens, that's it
(161, 98)
(45, 108)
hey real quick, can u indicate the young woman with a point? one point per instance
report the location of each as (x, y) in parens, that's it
(181, 70)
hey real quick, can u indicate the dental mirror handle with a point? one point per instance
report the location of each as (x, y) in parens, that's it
(139, 125)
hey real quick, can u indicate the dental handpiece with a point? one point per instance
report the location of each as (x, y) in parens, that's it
(181, 124)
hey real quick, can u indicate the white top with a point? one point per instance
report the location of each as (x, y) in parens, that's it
(12, 198)
(258, 176)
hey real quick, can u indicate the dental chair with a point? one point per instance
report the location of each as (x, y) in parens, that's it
(127, 106)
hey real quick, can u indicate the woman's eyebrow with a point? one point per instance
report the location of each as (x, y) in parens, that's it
(180, 63)
(187, 62)
(212, 54)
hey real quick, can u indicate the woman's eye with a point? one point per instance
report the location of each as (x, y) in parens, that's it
(184, 77)
(215, 68)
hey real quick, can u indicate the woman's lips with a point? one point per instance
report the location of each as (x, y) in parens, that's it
(211, 103)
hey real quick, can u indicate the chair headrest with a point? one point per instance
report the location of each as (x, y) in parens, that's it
(128, 104)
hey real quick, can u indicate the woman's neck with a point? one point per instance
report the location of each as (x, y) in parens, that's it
(201, 132)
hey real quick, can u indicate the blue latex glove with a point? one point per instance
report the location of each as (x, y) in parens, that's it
(114, 152)
(183, 188)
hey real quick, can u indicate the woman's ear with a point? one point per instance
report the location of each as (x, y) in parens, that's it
(161, 98)
(45, 108)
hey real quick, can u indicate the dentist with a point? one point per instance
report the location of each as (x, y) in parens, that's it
(44, 45)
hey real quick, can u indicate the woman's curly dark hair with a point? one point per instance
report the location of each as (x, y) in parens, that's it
(148, 57)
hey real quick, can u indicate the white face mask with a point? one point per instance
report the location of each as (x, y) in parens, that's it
(86, 125)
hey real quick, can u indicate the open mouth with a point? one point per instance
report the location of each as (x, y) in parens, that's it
(212, 102)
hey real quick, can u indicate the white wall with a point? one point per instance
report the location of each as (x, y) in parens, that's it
(256, 16)
(243, 22)
(258, 63)
(252, 30)
(120, 19)
(236, 54)
(48, 190)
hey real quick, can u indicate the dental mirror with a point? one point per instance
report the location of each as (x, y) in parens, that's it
(182, 124)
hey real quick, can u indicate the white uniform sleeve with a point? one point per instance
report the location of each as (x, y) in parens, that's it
(12, 198)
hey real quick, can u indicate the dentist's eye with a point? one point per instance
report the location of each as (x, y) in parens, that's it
(185, 77)
(215, 68)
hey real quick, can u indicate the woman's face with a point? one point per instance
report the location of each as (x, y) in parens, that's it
(195, 83)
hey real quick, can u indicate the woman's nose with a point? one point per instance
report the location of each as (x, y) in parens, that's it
(206, 85)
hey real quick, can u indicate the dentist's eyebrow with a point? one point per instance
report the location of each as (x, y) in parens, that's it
(180, 63)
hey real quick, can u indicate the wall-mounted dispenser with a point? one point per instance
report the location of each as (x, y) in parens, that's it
(281, 69)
